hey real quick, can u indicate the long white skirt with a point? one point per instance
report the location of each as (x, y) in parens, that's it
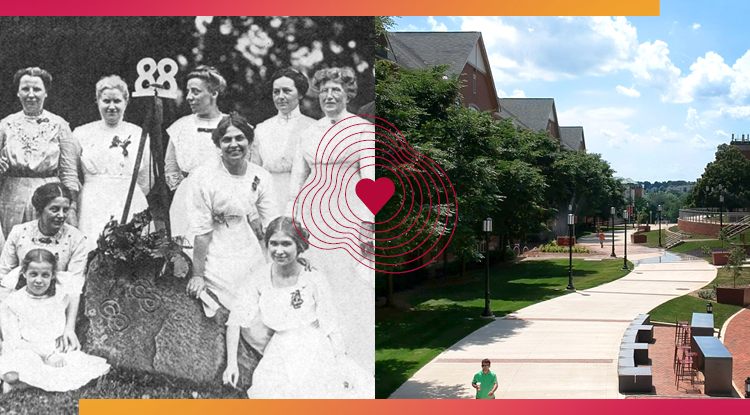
(80, 369)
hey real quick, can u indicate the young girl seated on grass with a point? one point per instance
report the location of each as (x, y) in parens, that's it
(33, 319)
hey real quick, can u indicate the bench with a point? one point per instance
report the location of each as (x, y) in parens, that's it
(635, 379)
(634, 352)
(645, 332)
(639, 351)
(642, 319)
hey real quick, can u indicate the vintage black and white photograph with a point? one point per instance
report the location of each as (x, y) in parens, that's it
(151, 246)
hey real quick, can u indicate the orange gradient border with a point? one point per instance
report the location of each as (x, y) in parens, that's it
(429, 407)
(332, 7)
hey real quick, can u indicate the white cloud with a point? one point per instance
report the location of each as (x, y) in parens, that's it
(652, 67)
(517, 93)
(604, 126)
(721, 133)
(696, 26)
(436, 26)
(693, 121)
(709, 76)
(628, 92)
(700, 142)
(736, 112)
(553, 48)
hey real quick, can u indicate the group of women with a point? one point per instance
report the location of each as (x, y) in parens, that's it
(232, 185)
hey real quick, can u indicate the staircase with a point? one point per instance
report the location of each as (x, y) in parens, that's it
(736, 227)
(673, 239)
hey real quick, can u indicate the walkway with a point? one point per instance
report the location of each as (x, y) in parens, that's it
(566, 347)
(737, 341)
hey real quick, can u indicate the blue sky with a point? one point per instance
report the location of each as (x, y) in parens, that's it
(655, 95)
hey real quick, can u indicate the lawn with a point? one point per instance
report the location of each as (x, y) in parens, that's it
(117, 384)
(682, 308)
(405, 340)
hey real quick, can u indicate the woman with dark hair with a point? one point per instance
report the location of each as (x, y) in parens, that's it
(35, 148)
(190, 143)
(277, 138)
(224, 194)
(307, 356)
(52, 205)
(109, 147)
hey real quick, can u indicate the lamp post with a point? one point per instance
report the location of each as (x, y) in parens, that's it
(625, 258)
(659, 226)
(487, 228)
(721, 210)
(612, 212)
(709, 308)
(571, 222)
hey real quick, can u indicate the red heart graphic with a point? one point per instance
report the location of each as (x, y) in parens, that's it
(375, 194)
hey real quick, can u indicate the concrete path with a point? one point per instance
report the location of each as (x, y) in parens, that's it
(566, 347)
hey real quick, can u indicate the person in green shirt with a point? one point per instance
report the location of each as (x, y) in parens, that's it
(485, 382)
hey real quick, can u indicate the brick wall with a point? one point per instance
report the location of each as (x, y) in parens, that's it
(698, 227)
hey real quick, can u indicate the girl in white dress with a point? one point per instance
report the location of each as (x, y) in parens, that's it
(306, 357)
(190, 145)
(108, 151)
(277, 138)
(33, 320)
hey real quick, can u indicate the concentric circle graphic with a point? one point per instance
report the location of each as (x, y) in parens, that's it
(397, 223)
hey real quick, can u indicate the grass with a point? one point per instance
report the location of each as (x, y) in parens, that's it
(406, 340)
(117, 384)
(691, 245)
(682, 308)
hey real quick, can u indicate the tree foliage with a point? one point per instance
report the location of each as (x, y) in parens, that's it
(731, 170)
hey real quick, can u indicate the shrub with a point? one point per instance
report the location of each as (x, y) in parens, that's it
(706, 250)
(707, 294)
(555, 248)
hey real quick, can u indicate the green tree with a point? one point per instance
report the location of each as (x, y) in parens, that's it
(586, 181)
(731, 170)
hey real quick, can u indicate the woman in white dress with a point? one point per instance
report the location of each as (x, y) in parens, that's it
(225, 193)
(277, 138)
(306, 357)
(33, 321)
(331, 159)
(190, 144)
(50, 232)
(35, 148)
(108, 151)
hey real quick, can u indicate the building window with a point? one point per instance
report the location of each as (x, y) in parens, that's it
(475, 83)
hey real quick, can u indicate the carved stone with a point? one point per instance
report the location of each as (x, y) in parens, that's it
(138, 320)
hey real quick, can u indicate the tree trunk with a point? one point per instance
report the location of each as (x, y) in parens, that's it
(502, 248)
(389, 293)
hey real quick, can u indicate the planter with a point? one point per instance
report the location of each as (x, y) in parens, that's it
(638, 239)
(646, 228)
(720, 258)
(563, 241)
(734, 296)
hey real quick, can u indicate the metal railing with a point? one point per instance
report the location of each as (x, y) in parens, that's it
(674, 238)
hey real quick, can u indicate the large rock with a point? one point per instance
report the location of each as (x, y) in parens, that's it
(136, 319)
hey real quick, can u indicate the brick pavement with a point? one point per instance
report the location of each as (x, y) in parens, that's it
(661, 353)
(737, 341)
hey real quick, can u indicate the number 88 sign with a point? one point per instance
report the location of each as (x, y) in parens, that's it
(147, 84)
